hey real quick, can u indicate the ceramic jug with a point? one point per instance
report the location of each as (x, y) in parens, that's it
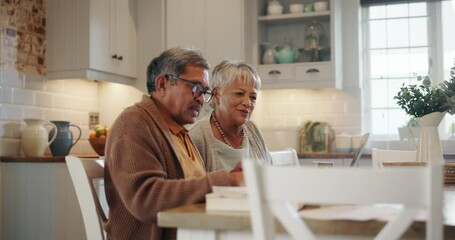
(269, 55)
(429, 147)
(64, 140)
(34, 137)
(286, 54)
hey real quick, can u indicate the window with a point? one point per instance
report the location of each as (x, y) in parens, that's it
(403, 41)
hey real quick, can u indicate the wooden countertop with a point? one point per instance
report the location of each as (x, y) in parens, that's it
(333, 155)
(328, 155)
(43, 159)
(300, 155)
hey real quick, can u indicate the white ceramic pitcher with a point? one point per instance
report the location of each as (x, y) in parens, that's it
(35, 137)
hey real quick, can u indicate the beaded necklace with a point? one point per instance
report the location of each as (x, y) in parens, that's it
(217, 125)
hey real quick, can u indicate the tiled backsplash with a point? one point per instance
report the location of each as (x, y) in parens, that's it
(31, 96)
(281, 113)
(277, 111)
(293, 107)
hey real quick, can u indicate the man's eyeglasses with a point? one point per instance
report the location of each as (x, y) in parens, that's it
(197, 89)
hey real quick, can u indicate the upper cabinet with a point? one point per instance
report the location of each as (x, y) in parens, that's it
(93, 39)
(216, 27)
(220, 29)
(298, 49)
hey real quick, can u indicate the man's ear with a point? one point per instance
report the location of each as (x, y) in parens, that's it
(160, 84)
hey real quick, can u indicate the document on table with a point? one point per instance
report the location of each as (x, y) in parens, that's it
(358, 213)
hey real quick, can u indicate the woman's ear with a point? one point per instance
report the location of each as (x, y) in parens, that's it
(216, 96)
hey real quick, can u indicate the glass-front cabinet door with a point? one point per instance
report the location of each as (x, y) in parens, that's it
(298, 43)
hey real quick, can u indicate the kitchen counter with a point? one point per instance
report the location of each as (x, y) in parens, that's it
(330, 155)
(334, 155)
(38, 200)
(43, 159)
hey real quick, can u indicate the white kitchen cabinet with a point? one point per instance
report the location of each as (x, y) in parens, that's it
(39, 202)
(93, 39)
(219, 28)
(290, 29)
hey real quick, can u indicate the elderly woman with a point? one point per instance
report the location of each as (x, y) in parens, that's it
(227, 135)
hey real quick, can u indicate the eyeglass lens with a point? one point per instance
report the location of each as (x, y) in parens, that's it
(197, 89)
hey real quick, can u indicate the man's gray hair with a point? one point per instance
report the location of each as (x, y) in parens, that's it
(173, 62)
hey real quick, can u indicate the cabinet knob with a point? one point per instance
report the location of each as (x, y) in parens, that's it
(120, 58)
(274, 72)
(114, 56)
(312, 70)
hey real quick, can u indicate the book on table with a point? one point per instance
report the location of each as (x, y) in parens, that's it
(231, 199)
(227, 199)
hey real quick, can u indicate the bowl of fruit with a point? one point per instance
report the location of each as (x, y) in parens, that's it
(97, 139)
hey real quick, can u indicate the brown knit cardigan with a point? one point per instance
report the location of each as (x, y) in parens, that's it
(143, 175)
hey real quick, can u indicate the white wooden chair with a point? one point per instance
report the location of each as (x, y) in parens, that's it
(271, 194)
(358, 152)
(287, 157)
(83, 172)
(378, 156)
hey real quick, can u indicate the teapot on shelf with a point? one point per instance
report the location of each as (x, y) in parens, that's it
(286, 54)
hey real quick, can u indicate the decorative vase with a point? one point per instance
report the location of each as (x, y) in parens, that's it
(269, 56)
(64, 140)
(429, 148)
(34, 138)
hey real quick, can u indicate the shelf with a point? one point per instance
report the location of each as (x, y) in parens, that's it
(294, 16)
(289, 29)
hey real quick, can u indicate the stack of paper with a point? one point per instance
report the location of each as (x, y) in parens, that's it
(227, 199)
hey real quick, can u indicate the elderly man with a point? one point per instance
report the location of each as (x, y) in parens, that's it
(151, 163)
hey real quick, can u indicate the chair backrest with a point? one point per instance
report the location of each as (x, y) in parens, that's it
(358, 153)
(415, 188)
(83, 171)
(287, 157)
(378, 156)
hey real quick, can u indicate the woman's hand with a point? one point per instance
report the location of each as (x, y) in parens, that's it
(238, 167)
(236, 178)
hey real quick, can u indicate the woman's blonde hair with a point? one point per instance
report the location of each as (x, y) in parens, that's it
(231, 72)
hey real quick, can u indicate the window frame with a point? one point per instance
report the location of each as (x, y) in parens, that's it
(435, 54)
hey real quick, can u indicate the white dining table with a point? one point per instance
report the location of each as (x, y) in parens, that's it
(194, 222)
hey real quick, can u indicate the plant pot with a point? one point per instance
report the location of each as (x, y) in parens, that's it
(408, 133)
(429, 148)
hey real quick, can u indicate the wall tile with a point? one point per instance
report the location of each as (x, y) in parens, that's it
(35, 82)
(6, 95)
(79, 118)
(11, 112)
(83, 104)
(11, 78)
(23, 96)
(54, 114)
(81, 88)
(43, 99)
(55, 86)
(33, 112)
(293, 107)
(2, 112)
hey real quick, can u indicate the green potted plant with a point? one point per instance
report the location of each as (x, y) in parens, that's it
(428, 104)
(420, 100)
